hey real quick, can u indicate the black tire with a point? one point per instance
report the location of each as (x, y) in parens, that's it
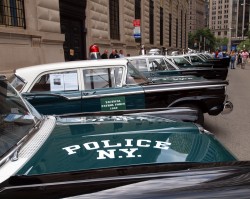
(200, 119)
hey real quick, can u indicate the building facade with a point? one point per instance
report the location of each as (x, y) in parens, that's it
(163, 24)
(230, 19)
(43, 31)
(196, 15)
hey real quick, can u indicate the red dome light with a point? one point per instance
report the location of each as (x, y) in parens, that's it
(94, 49)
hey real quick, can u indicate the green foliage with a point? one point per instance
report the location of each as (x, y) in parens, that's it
(221, 42)
(244, 45)
(198, 37)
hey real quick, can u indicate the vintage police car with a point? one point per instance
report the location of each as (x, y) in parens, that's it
(55, 157)
(204, 61)
(154, 66)
(114, 85)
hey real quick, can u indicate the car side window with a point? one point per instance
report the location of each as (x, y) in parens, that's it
(140, 64)
(169, 65)
(102, 78)
(186, 57)
(57, 81)
(195, 59)
(181, 62)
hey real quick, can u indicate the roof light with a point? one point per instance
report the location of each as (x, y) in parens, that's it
(94, 49)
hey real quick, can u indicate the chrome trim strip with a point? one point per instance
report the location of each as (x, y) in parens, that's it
(112, 94)
(182, 88)
(152, 90)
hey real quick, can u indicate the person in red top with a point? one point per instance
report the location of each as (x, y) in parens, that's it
(244, 56)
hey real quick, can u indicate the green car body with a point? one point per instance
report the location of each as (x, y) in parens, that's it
(115, 85)
(47, 156)
(77, 144)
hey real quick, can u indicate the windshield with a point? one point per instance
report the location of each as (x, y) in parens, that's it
(203, 56)
(181, 61)
(16, 82)
(134, 76)
(156, 64)
(208, 56)
(16, 119)
(196, 59)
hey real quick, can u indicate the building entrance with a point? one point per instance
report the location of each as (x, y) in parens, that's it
(72, 16)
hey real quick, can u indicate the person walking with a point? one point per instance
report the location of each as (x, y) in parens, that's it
(220, 54)
(232, 59)
(239, 58)
(113, 54)
(244, 56)
(105, 54)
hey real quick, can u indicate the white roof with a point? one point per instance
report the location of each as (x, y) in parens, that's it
(145, 56)
(26, 72)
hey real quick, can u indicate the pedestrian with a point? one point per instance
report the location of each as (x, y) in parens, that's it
(105, 54)
(244, 56)
(232, 59)
(121, 55)
(113, 54)
(216, 54)
(220, 54)
(239, 58)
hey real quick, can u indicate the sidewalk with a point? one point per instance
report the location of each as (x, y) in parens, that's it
(233, 129)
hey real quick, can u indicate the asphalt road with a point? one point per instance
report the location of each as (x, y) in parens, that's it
(233, 130)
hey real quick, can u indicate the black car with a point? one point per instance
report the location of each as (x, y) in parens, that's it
(154, 66)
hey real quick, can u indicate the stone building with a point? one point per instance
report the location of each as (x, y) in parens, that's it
(230, 19)
(196, 15)
(44, 31)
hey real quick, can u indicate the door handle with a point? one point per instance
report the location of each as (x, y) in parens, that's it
(88, 93)
(29, 97)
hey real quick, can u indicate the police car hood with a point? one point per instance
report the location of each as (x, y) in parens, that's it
(86, 143)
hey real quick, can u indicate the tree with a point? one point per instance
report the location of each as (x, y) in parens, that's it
(248, 34)
(221, 42)
(204, 37)
(244, 45)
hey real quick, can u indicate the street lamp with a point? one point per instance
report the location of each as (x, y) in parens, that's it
(243, 17)
(230, 39)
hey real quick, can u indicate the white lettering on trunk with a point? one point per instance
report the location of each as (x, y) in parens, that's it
(139, 143)
(88, 146)
(71, 149)
(108, 145)
(162, 145)
(129, 142)
(103, 154)
(129, 152)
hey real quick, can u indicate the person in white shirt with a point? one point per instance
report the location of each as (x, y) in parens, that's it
(244, 56)
(121, 54)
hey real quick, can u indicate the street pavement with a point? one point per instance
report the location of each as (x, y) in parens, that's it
(233, 130)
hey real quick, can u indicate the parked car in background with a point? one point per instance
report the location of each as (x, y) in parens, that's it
(114, 85)
(197, 58)
(57, 157)
(154, 66)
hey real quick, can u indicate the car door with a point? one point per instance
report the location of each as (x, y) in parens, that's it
(56, 93)
(104, 91)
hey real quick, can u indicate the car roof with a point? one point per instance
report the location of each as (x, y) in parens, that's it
(38, 69)
(145, 56)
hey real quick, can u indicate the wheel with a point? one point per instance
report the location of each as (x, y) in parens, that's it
(200, 115)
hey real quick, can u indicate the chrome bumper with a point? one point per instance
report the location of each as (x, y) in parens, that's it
(228, 107)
